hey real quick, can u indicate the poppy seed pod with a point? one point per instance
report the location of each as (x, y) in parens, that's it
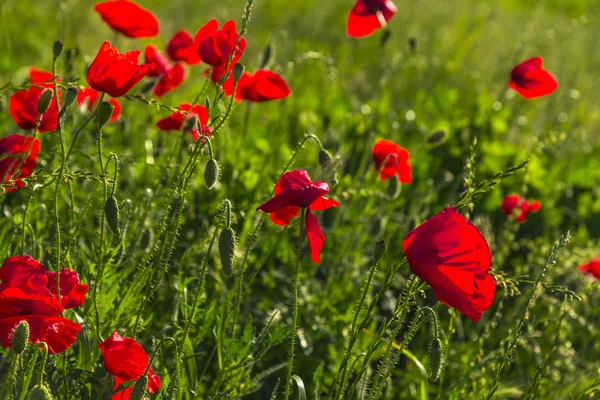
(44, 101)
(70, 96)
(324, 158)
(211, 173)
(139, 389)
(436, 359)
(437, 137)
(20, 337)
(113, 214)
(57, 48)
(227, 249)
(104, 113)
(379, 251)
(39, 392)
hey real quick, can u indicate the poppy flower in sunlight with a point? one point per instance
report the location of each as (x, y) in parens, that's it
(215, 45)
(87, 97)
(263, 85)
(592, 268)
(170, 76)
(28, 292)
(513, 204)
(127, 360)
(530, 80)
(115, 73)
(23, 107)
(128, 18)
(452, 256)
(369, 15)
(18, 157)
(293, 191)
(391, 159)
(41, 78)
(174, 121)
(182, 47)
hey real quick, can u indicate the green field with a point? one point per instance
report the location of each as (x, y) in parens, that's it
(212, 335)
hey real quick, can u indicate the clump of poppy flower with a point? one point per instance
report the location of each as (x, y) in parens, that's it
(215, 45)
(530, 80)
(513, 204)
(391, 159)
(592, 268)
(369, 15)
(18, 158)
(452, 256)
(169, 76)
(128, 18)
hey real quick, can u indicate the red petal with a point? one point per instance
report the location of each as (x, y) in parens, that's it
(391, 159)
(128, 18)
(262, 86)
(363, 19)
(509, 203)
(123, 357)
(323, 203)
(316, 238)
(57, 332)
(530, 80)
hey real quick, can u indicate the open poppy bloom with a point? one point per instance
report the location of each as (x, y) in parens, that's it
(452, 256)
(182, 47)
(87, 98)
(23, 107)
(369, 15)
(215, 45)
(513, 204)
(293, 191)
(128, 18)
(391, 159)
(28, 292)
(41, 78)
(263, 85)
(170, 76)
(126, 360)
(530, 80)
(592, 268)
(174, 121)
(115, 73)
(18, 157)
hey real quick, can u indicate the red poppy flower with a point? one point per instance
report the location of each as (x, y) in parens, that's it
(20, 270)
(41, 78)
(530, 80)
(72, 293)
(183, 48)
(128, 18)
(369, 15)
(216, 45)
(127, 360)
(57, 332)
(263, 85)
(391, 159)
(171, 76)
(24, 110)
(514, 202)
(592, 268)
(293, 191)
(453, 257)
(87, 97)
(173, 122)
(13, 148)
(115, 73)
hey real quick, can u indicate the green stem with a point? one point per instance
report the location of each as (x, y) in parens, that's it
(100, 266)
(25, 222)
(28, 374)
(87, 121)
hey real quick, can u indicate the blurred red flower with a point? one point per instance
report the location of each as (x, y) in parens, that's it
(183, 48)
(263, 85)
(23, 108)
(17, 153)
(293, 191)
(216, 45)
(115, 73)
(513, 202)
(530, 80)
(28, 292)
(128, 18)
(452, 256)
(87, 97)
(173, 122)
(126, 360)
(391, 159)
(170, 76)
(369, 15)
(41, 78)
(592, 268)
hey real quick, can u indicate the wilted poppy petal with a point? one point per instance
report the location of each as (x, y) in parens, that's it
(316, 238)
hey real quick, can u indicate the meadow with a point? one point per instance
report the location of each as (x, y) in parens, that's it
(317, 221)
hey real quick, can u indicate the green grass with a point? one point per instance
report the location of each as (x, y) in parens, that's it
(347, 92)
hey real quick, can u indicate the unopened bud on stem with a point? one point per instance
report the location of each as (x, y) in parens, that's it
(44, 101)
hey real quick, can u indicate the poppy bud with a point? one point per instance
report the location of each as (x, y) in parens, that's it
(139, 389)
(394, 188)
(57, 48)
(436, 359)
(412, 43)
(113, 214)
(386, 35)
(211, 173)
(70, 96)
(380, 248)
(266, 56)
(146, 239)
(226, 249)
(436, 138)
(190, 123)
(104, 113)
(238, 71)
(324, 158)
(39, 392)
(44, 101)
(148, 86)
(20, 337)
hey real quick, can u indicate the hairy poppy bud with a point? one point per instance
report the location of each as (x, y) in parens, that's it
(436, 359)
(238, 71)
(394, 188)
(70, 96)
(386, 35)
(39, 392)
(44, 101)
(324, 158)
(436, 138)
(412, 43)
(226, 249)
(148, 86)
(211, 173)
(380, 248)
(104, 113)
(113, 214)
(57, 48)
(190, 123)
(139, 389)
(266, 56)
(20, 337)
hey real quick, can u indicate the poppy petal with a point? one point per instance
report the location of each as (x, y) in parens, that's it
(316, 238)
